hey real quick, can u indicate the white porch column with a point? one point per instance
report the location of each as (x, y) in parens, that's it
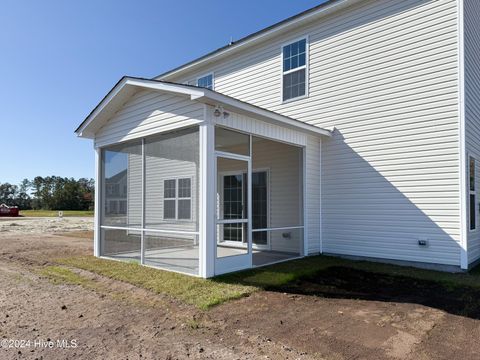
(97, 205)
(207, 198)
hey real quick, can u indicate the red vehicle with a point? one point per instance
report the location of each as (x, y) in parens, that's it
(8, 211)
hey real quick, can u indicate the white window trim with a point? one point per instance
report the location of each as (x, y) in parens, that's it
(472, 192)
(306, 67)
(205, 75)
(177, 198)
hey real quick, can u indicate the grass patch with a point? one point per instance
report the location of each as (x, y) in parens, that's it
(207, 293)
(195, 291)
(275, 276)
(62, 275)
(54, 213)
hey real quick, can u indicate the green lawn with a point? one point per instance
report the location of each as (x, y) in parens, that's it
(188, 289)
(207, 293)
(54, 213)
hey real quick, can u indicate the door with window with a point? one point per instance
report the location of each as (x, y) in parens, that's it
(233, 239)
(234, 193)
(234, 201)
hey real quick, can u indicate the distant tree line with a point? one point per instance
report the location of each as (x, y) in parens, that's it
(49, 193)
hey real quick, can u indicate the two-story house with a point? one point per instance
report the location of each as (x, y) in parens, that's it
(352, 129)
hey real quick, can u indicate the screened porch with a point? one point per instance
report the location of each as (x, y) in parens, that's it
(193, 181)
(151, 199)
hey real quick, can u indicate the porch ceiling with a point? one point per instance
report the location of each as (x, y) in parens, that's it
(127, 86)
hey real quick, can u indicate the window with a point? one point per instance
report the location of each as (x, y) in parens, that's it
(294, 70)
(206, 81)
(169, 202)
(177, 199)
(184, 198)
(473, 212)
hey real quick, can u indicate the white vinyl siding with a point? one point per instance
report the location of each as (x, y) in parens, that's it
(261, 128)
(313, 190)
(147, 113)
(472, 108)
(385, 75)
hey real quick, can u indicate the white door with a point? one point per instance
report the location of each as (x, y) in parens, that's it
(233, 213)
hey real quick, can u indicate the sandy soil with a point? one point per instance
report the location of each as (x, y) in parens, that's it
(113, 320)
(44, 225)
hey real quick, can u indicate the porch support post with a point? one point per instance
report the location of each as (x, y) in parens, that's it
(207, 197)
(98, 199)
(249, 201)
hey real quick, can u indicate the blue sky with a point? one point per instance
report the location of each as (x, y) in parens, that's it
(59, 58)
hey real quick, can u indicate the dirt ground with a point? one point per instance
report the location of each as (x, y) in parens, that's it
(114, 320)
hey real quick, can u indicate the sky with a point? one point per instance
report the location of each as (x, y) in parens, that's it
(59, 58)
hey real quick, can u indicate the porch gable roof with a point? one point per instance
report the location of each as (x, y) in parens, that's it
(127, 86)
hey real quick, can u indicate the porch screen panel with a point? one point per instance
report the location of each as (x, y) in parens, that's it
(122, 200)
(232, 141)
(121, 244)
(277, 201)
(123, 185)
(171, 200)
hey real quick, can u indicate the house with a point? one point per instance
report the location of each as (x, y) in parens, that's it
(349, 129)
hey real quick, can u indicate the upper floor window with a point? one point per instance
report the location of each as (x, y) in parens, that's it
(294, 70)
(206, 81)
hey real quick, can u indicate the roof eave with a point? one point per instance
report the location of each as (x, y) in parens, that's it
(196, 94)
(257, 36)
(82, 130)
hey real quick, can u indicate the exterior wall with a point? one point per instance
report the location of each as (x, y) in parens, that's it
(385, 74)
(472, 108)
(148, 113)
(313, 191)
